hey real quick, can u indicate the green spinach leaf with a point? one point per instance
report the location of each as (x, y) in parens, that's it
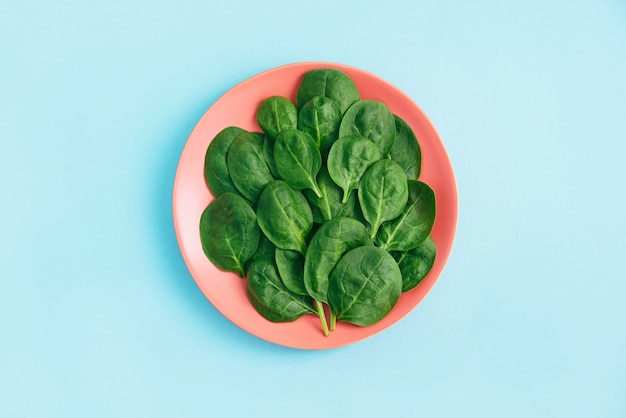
(268, 155)
(414, 224)
(328, 82)
(265, 249)
(271, 298)
(415, 264)
(327, 246)
(275, 114)
(320, 118)
(247, 166)
(229, 232)
(330, 205)
(215, 168)
(383, 193)
(373, 120)
(298, 160)
(406, 150)
(284, 216)
(348, 159)
(364, 286)
(290, 265)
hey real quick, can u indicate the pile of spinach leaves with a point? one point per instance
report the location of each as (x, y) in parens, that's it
(324, 207)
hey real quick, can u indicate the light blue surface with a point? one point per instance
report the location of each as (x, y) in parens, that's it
(99, 316)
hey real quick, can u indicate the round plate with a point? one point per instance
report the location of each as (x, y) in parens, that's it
(226, 291)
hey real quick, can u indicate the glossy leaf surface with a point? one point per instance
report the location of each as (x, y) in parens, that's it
(328, 82)
(348, 159)
(247, 166)
(414, 224)
(383, 193)
(373, 120)
(297, 159)
(327, 246)
(275, 114)
(229, 232)
(290, 265)
(364, 286)
(406, 150)
(320, 118)
(415, 264)
(284, 216)
(271, 298)
(215, 167)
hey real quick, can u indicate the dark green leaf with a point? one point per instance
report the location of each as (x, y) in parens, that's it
(373, 120)
(415, 264)
(406, 150)
(298, 160)
(290, 265)
(271, 298)
(284, 216)
(327, 246)
(215, 168)
(330, 205)
(268, 155)
(265, 249)
(247, 166)
(364, 286)
(328, 82)
(229, 232)
(414, 224)
(383, 193)
(320, 118)
(348, 159)
(275, 114)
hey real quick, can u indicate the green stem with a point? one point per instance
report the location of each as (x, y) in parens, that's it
(320, 311)
(333, 320)
(346, 195)
(317, 191)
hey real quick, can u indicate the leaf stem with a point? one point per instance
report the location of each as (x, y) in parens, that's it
(346, 195)
(320, 311)
(333, 320)
(374, 231)
(317, 191)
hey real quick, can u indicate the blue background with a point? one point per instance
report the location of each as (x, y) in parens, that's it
(99, 316)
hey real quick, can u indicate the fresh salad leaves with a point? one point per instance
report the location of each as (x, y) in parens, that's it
(323, 210)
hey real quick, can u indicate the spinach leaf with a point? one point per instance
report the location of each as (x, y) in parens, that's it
(229, 232)
(215, 167)
(275, 114)
(326, 248)
(373, 120)
(330, 205)
(320, 118)
(414, 224)
(246, 165)
(415, 264)
(271, 298)
(284, 216)
(348, 159)
(268, 155)
(298, 160)
(406, 150)
(290, 265)
(328, 82)
(364, 286)
(383, 193)
(265, 249)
